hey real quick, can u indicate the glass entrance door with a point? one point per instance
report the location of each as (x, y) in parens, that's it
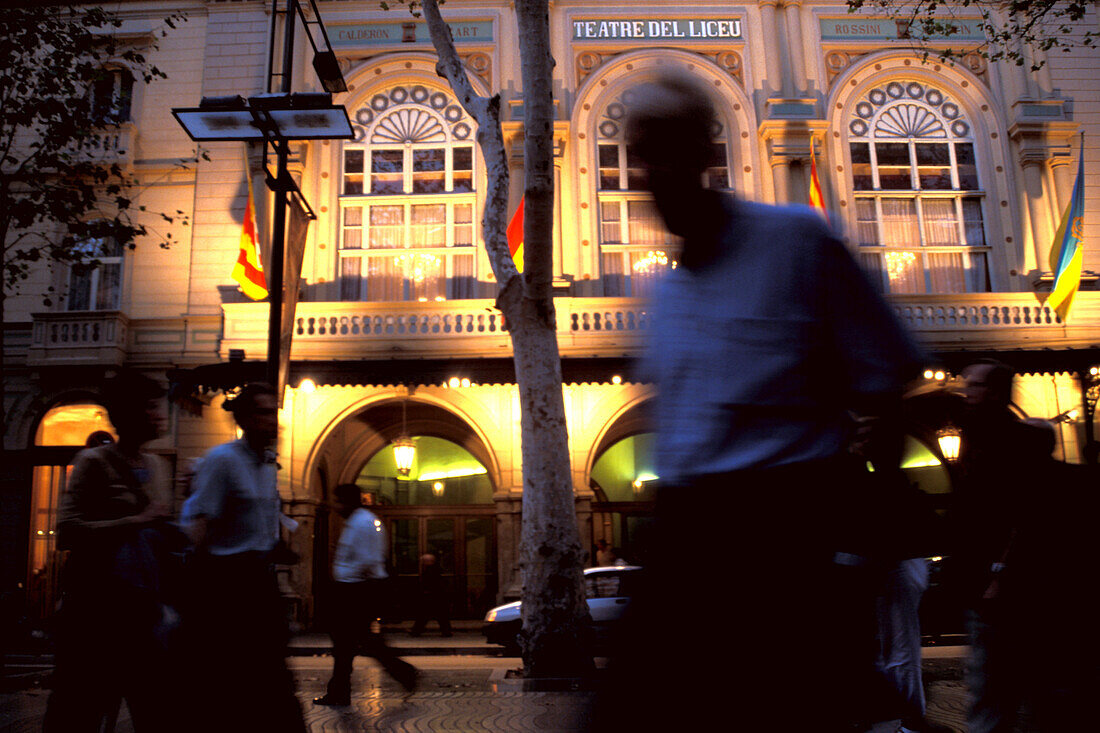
(464, 547)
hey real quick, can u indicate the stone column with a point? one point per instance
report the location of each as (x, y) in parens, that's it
(781, 178)
(773, 57)
(792, 12)
(1038, 212)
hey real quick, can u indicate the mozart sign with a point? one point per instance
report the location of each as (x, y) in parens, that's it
(657, 29)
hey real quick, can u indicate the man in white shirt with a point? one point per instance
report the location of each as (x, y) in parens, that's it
(358, 571)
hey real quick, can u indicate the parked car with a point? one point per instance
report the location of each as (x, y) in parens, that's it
(608, 591)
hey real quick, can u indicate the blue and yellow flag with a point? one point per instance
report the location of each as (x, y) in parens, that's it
(1067, 250)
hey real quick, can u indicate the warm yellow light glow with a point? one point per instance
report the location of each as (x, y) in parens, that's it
(454, 382)
(437, 488)
(940, 376)
(653, 260)
(404, 453)
(465, 382)
(616, 379)
(307, 386)
(950, 441)
(928, 373)
(452, 473)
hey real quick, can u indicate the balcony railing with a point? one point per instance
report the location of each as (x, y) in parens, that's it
(617, 326)
(79, 337)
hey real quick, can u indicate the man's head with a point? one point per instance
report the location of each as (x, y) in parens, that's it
(256, 410)
(135, 406)
(669, 128)
(988, 385)
(347, 498)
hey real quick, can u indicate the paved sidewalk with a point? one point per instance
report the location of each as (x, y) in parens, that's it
(469, 692)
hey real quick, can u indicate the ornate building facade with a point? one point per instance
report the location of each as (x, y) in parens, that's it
(948, 182)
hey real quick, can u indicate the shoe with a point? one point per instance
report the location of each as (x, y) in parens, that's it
(332, 700)
(407, 676)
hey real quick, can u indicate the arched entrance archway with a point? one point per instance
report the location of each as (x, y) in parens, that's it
(444, 505)
(63, 430)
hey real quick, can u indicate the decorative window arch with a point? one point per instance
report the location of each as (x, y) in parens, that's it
(634, 244)
(407, 199)
(918, 198)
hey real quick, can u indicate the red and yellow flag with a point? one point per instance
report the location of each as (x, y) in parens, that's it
(248, 272)
(817, 201)
(515, 236)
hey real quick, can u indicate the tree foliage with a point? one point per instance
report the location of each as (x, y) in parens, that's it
(66, 79)
(1013, 29)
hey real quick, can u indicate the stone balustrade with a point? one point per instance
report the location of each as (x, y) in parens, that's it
(616, 326)
(79, 337)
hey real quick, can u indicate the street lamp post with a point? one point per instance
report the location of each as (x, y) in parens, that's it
(276, 119)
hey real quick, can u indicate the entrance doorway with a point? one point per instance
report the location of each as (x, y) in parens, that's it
(442, 504)
(465, 548)
(625, 482)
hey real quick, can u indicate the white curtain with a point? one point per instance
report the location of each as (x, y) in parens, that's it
(899, 223)
(645, 223)
(941, 225)
(387, 227)
(429, 225)
(947, 272)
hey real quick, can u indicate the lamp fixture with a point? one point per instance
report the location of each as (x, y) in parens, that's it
(950, 440)
(437, 488)
(404, 449)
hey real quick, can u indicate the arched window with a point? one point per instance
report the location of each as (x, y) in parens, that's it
(407, 199)
(634, 245)
(918, 198)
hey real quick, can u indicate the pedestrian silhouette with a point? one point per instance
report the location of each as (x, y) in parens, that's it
(359, 574)
(112, 521)
(238, 624)
(762, 340)
(432, 600)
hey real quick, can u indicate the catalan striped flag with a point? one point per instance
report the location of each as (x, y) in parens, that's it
(1067, 250)
(248, 272)
(817, 201)
(515, 236)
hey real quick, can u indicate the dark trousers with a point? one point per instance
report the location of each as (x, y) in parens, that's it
(432, 605)
(355, 607)
(745, 613)
(106, 652)
(236, 634)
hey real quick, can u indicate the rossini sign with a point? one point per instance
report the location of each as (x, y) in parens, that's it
(657, 29)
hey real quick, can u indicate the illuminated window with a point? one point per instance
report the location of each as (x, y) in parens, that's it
(95, 282)
(918, 201)
(407, 200)
(635, 247)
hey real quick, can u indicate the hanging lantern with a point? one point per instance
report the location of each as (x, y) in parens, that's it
(950, 441)
(404, 452)
(404, 449)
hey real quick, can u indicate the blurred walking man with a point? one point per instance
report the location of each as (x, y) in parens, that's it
(239, 626)
(358, 571)
(765, 339)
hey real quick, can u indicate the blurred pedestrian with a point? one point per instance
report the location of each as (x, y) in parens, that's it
(359, 572)
(604, 555)
(432, 601)
(238, 625)
(112, 520)
(1008, 568)
(763, 339)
